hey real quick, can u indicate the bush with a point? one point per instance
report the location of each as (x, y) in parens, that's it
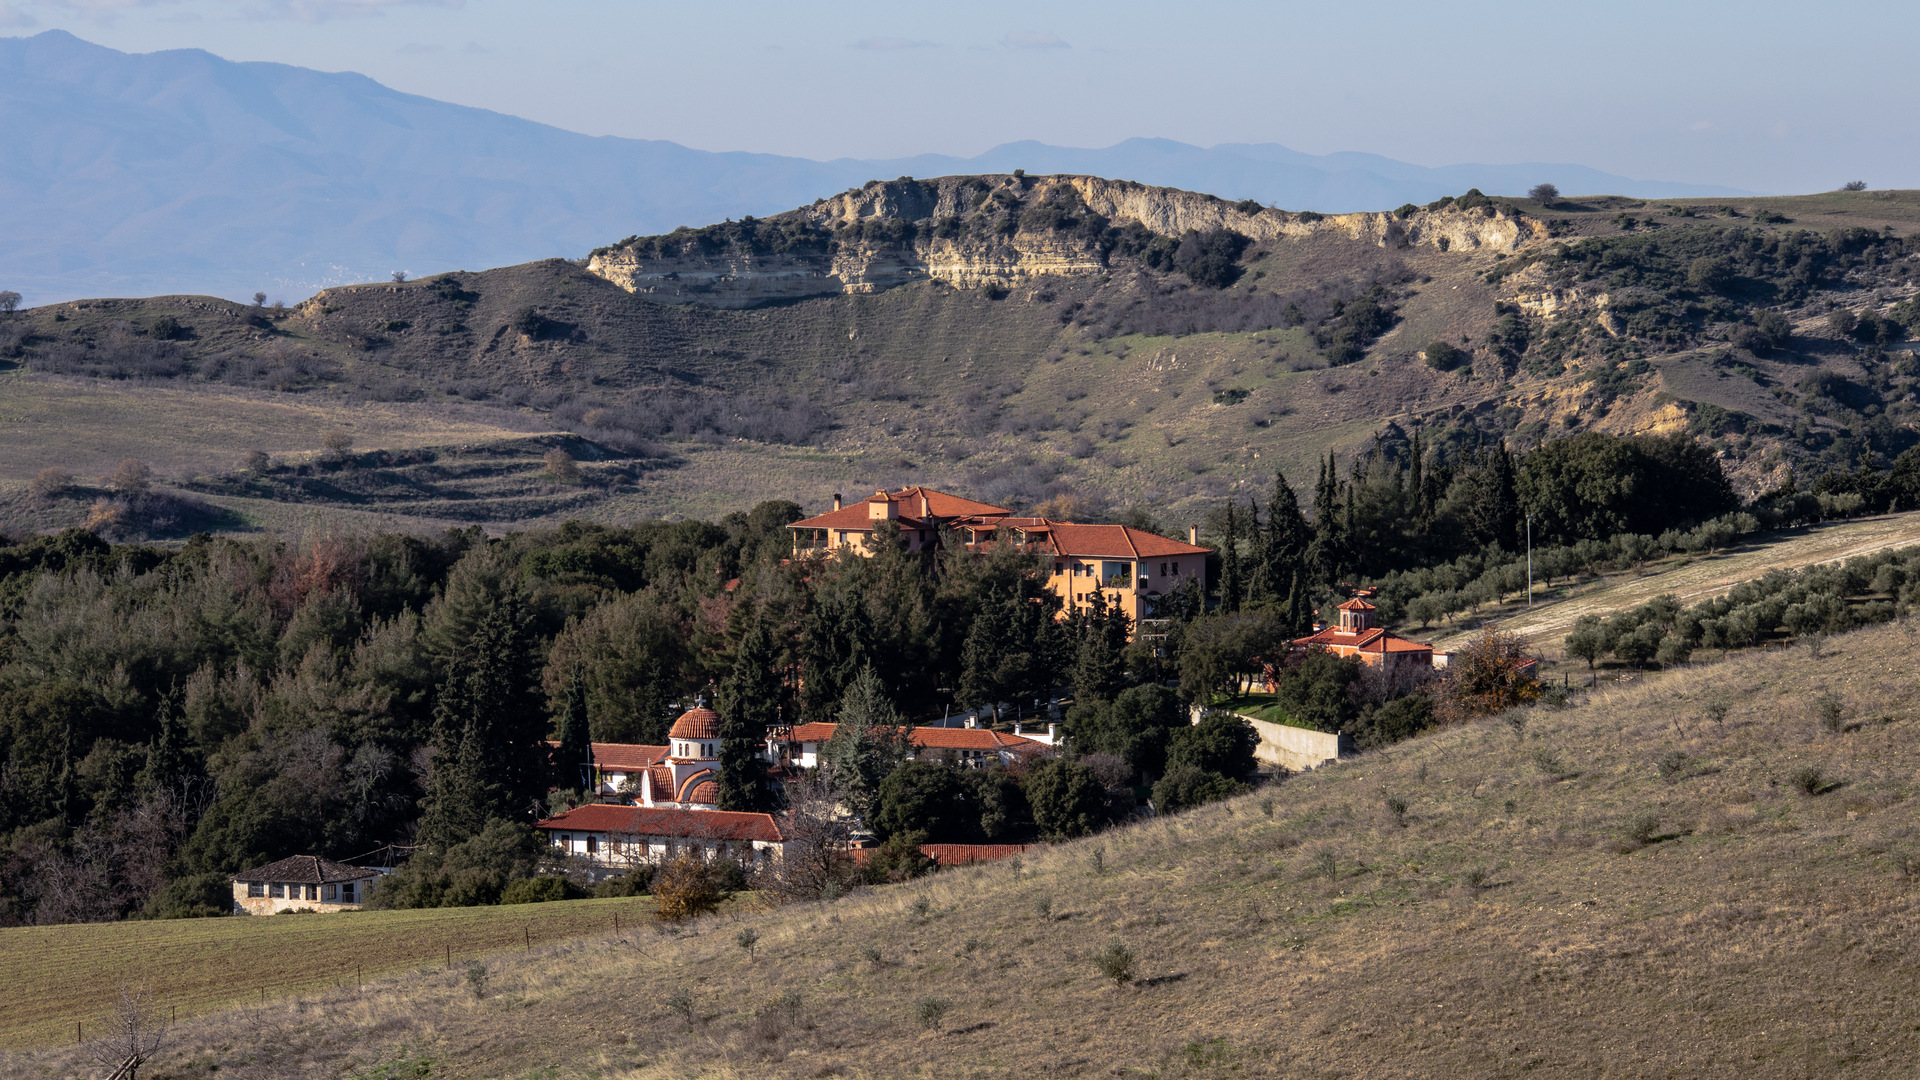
(687, 888)
(1673, 766)
(1807, 779)
(1186, 786)
(196, 896)
(930, 1012)
(1067, 798)
(540, 890)
(1643, 827)
(1116, 962)
(898, 859)
(1221, 743)
(1443, 356)
(1397, 805)
(51, 483)
(475, 871)
(1854, 185)
(634, 882)
(1832, 713)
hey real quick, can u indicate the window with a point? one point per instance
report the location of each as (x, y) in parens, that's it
(313, 892)
(256, 888)
(332, 894)
(1163, 569)
(565, 840)
(346, 894)
(593, 845)
(277, 891)
(1176, 569)
(1056, 567)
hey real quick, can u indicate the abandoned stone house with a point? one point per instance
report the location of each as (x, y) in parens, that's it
(302, 883)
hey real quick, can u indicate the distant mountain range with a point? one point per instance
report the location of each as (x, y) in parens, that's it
(136, 174)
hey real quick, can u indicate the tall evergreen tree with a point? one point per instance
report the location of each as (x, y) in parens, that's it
(749, 704)
(573, 757)
(869, 742)
(835, 644)
(1100, 636)
(1299, 607)
(1288, 536)
(1262, 587)
(1231, 583)
(167, 759)
(462, 796)
(1328, 539)
(489, 690)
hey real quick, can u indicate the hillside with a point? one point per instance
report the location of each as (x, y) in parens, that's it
(1027, 338)
(1625, 888)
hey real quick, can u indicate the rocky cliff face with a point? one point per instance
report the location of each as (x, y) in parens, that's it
(995, 231)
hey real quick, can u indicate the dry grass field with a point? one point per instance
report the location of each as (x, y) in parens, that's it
(197, 965)
(1699, 873)
(1691, 579)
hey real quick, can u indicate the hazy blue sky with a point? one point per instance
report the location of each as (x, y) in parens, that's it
(1762, 95)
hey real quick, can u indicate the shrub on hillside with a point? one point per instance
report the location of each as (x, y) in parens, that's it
(898, 859)
(1068, 799)
(1443, 356)
(1221, 743)
(689, 887)
(1186, 786)
(539, 890)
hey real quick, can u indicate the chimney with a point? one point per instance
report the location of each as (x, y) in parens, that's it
(926, 508)
(1193, 531)
(836, 500)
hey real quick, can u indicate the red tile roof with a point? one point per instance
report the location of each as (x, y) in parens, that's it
(1372, 640)
(962, 854)
(625, 757)
(696, 723)
(940, 738)
(1357, 604)
(661, 821)
(856, 517)
(1078, 541)
(690, 788)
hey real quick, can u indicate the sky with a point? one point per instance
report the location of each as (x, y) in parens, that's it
(1761, 95)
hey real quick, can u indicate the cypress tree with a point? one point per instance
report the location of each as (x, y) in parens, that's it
(1262, 587)
(749, 704)
(1230, 583)
(1299, 608)
(167, 759)
(1328, 537)
(1289, 536)
(573, 758)
(1099, 666)
(462, 796)
(489, 690)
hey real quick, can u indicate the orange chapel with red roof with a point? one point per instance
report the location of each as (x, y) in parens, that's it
(1356, 636)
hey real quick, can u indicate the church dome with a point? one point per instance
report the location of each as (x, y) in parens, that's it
(705, 793)
(699, 722)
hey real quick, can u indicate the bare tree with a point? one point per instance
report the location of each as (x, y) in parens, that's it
(132, 475)
(1544, 194)
(259, 299)
(52, 483)
(9, 301)
(135, 1033)
(399, 276)
(814, 864)
(560, 466)
(339, 444)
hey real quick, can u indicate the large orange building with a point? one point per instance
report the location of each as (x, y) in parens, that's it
(1131, 568)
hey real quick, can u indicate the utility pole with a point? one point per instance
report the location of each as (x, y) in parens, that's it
(1529, 560)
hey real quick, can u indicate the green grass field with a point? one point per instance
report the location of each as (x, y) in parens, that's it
(195, 966)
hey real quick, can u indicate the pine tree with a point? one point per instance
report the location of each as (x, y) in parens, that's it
(1230, 581)
(1261, 586)
(573, 758)
(749, 704)
(167, 759)
(1288, 535)
(868, 743)
(462, 796)
(1099, 666)
(1328, 537)
(489, 690)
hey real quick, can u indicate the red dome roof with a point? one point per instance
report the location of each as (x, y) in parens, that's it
(706, 793)
(699, 722)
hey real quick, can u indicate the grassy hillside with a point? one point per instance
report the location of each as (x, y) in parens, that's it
(196, 966)
(1136, 385)
(1694, 874)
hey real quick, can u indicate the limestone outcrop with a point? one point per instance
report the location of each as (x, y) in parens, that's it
(995, 231)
